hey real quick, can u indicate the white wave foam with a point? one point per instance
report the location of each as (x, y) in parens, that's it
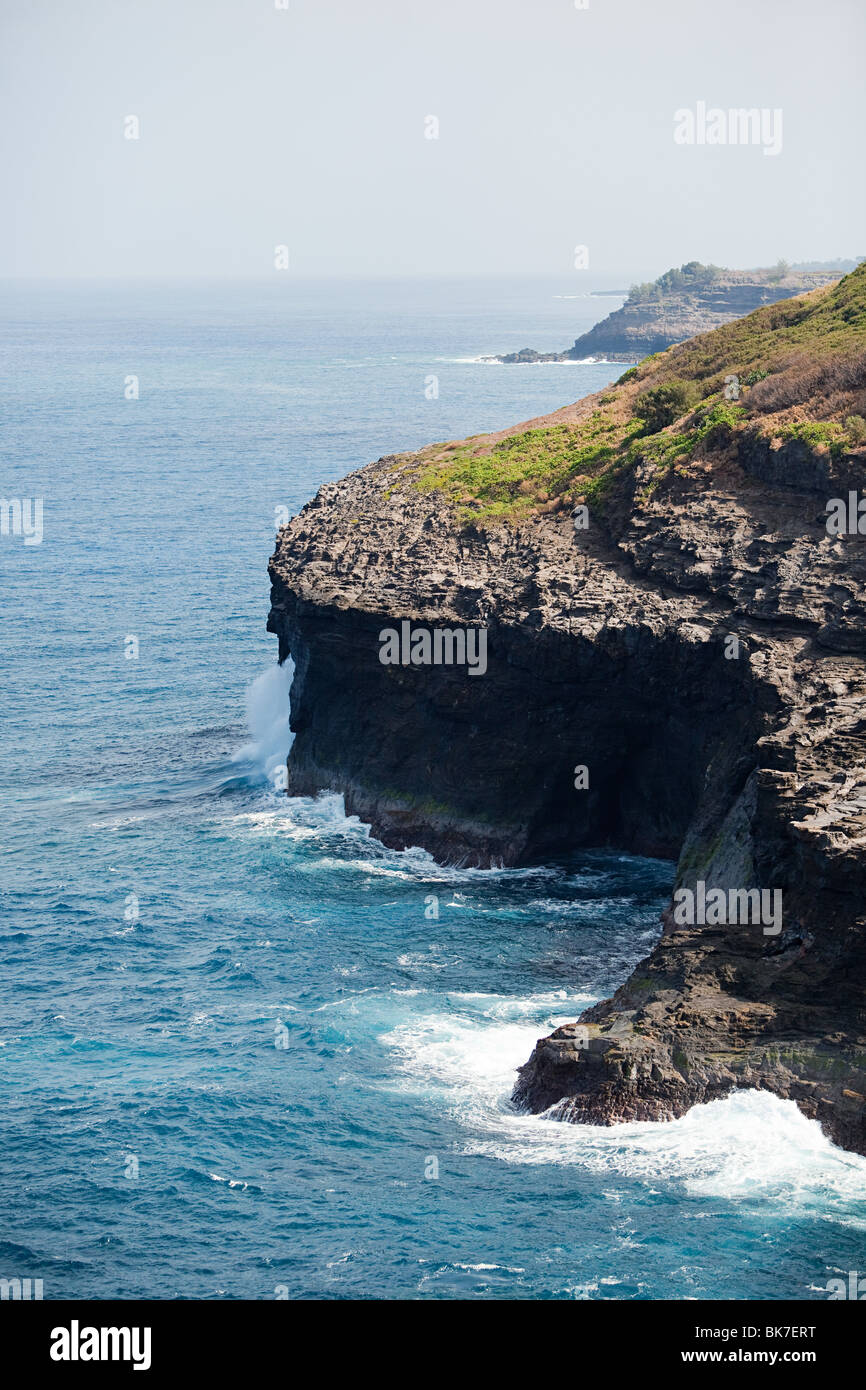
(324, 815)
(416, 960)
(478, 1044)
(749, 1147)
(230, 1182)
(416, 865)
(302, 818)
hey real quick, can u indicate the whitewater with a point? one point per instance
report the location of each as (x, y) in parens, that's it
(245, 1047)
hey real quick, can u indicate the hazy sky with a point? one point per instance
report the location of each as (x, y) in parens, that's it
(306, 127)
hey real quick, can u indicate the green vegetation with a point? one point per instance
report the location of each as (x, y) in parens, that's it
(820, 435)
(855, 428)
(664, 404)
(814, 432)
(692, 275)
(829, 320)
(521, 470)
(800, 365)
(708, 424)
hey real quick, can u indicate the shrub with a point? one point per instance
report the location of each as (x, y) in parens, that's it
(806, 377)
(855, 428)
(692, 275)
(664, 404)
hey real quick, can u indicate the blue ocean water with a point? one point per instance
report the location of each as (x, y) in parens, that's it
(245, 1051)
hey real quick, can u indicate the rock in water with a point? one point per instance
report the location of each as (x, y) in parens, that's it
(684, 676)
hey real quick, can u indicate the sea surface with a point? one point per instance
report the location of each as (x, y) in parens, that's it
(246, 1051)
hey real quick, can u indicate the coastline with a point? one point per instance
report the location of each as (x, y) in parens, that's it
(609, 646)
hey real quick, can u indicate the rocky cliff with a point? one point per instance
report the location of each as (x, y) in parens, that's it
(675, 664)
(679, 305)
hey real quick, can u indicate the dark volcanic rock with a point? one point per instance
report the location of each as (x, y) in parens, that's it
(608, 648)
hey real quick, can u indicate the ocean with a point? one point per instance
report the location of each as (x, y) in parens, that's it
(246, 1052)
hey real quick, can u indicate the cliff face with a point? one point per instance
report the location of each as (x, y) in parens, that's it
(698, 648)
(650, 324)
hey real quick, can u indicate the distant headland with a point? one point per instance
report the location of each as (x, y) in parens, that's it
(684, 302)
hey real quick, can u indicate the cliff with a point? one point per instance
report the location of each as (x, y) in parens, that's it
(679, 305)
(663, 606)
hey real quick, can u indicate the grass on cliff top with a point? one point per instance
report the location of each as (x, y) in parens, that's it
(800, 366)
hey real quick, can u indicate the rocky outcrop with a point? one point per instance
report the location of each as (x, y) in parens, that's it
(650, 324)
(782, 804)
(699, 651)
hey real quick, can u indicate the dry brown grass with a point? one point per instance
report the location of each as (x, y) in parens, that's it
(832, 386)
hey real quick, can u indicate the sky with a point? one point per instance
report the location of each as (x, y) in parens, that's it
(425, 137)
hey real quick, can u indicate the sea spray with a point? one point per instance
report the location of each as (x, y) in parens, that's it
(267, 706)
